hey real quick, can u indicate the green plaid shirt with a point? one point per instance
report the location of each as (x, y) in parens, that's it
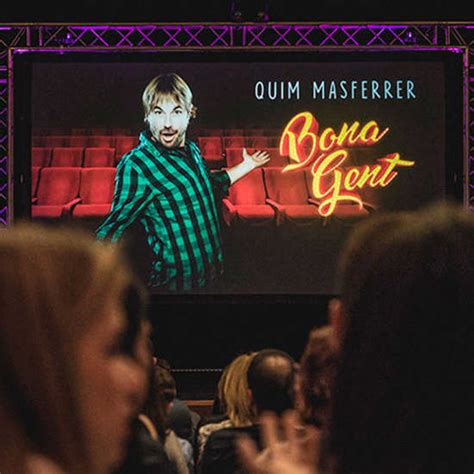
(173, 194)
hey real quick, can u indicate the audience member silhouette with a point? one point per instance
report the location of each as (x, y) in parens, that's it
(146, 452)
(270, 377)
(317, 369)
(177, 451)
(234, 400)
(71, 376)
(403, 392)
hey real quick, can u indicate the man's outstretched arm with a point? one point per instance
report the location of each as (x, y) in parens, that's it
(130, 198)
(249, 163)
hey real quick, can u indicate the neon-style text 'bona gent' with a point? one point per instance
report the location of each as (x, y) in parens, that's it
(327, 152)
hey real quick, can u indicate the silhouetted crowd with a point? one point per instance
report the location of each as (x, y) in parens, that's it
(385, 387)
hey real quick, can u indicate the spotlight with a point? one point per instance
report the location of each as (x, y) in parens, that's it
(242, 10)
(410, 38)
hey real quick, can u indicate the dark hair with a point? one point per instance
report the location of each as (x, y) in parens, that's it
(270, 378)
(318, 365)
(406, 359)
(134, 302)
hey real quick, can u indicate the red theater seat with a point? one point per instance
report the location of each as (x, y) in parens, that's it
(246, 202)
(345, 211)
(258, 141)
(58, 190)
(56, 141)
(234, 141)
(233, 156)
(77, 141)
(67, 156)
(99, 157)
(95, 192)
(211, 150)
(41, 156)
(102, 141)
(288, 194)
(123, 144)
(35, 172)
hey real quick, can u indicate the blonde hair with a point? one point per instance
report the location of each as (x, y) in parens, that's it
(54, 286)
(235, 390)
(168, 85)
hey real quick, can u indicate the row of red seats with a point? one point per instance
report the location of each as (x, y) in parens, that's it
(213, 147)
(210, 144)
(266, 196)
(104, 156)
(73, 156)
(71, 191)
(42, 131)
(121, 143)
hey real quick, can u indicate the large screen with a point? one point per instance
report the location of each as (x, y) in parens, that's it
(198, 207)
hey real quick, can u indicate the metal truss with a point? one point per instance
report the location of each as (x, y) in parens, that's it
(228, 35)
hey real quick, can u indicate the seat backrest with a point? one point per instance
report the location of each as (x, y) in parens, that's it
(35, 172)
(103, 141)
(254, 132)
(99, 157)
(210, 146)
(67, 156)
(41, 156)
(248, 190)
(233, 141)
(286, 188)
(123, 144)
(58, 186)
(233, 156)
(97, 185)
(77, 141)
(56, 140)
(257, 141)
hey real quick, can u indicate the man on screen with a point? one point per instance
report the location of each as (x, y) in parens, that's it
(164, 183)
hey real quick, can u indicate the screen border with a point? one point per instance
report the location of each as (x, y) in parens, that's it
(21, 59)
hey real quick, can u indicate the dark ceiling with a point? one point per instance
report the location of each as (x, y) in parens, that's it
(112, 11)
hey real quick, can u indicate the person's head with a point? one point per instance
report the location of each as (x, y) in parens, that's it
(168, 108)
(405, 364)
(270, 379)
(317, 370)
(165, 384)
(71, 379)
(235, 391)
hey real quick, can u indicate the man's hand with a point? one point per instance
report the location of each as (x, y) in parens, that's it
(292, 452)
(248, 164)
(256, 159)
